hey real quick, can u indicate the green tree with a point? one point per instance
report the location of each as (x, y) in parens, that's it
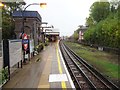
(106, 32)
(89, 21)
(99, 11)
(7, 20)
(76, 35)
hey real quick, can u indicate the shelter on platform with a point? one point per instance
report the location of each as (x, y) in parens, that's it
(32, 23)
(52, 34)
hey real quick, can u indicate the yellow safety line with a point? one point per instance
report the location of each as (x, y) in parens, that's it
(63, 84)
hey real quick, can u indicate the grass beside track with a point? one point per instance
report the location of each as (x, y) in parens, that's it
(106, 63)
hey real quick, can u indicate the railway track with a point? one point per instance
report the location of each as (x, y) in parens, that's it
(84, 75)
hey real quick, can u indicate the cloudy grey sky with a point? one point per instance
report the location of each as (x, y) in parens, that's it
(65, 15)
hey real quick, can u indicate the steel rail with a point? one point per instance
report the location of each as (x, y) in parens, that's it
(96, 79)
(102, 79)
(73, 75)
(92, 86)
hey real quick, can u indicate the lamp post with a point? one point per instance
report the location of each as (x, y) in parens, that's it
(1, 6)
(42, 5)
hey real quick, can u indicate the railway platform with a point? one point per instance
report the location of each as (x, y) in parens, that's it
(46, 70)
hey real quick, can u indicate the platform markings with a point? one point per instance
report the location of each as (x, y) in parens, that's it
(57, 77)
(63, 84)
(69, 77)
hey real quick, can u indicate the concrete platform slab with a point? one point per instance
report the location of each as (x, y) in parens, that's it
(41, 74)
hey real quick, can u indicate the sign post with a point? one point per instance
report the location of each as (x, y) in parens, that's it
(25, 45)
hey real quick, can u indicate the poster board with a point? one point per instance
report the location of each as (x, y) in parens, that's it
(15, 51)
(31, 45)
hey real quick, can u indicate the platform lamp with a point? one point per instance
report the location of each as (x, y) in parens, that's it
(1, 4)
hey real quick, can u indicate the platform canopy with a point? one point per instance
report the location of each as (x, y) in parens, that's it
(52, 33)
(13, 1)
(27, 14)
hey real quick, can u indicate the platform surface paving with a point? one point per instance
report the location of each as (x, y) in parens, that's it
(48, 72)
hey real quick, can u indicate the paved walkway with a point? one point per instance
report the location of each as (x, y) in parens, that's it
(48, 72)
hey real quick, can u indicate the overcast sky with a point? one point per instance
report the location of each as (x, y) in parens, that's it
(65, 15)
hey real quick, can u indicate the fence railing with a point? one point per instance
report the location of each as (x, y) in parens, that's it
(102, 48)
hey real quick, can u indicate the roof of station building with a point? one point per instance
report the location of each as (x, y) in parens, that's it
(27, 14)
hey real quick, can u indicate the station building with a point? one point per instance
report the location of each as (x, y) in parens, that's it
(82, 30)
(32, 23)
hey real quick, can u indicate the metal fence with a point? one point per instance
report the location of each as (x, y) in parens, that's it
(106, 49)
(102, 48)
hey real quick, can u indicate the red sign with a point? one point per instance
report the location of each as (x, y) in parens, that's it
(25, 36)
(25, 45)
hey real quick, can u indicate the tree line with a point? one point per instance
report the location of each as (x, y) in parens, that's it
(104, 24)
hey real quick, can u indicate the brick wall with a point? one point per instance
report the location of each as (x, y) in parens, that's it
(31, 27)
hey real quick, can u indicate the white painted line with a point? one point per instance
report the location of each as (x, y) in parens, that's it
(70, 80)
(57, 77)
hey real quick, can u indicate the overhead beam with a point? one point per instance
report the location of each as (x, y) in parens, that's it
(44, 23)
(46, 27)
(52, 33)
